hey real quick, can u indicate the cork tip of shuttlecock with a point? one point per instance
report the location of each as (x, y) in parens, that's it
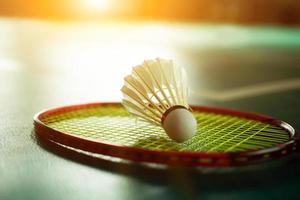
(180, 125)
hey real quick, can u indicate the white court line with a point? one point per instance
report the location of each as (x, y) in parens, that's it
(249, 91)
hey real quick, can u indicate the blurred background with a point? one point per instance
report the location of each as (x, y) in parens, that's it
(230, 11)
(94, 43)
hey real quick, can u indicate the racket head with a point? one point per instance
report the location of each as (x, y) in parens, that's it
(107, 129)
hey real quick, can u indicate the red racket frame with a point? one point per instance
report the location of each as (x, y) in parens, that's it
(211, 159)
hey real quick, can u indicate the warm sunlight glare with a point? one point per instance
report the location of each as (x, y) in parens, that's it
(96, 5)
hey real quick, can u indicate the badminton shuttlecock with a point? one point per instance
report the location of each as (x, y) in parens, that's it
(156, 91)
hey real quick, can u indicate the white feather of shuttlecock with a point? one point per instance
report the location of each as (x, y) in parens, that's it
(153, 87)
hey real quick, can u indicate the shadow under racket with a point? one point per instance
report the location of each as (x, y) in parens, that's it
(264, 174)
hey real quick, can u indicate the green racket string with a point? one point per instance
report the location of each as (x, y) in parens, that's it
(215, 132)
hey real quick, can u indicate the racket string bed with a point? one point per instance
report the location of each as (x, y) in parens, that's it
(215, 132)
